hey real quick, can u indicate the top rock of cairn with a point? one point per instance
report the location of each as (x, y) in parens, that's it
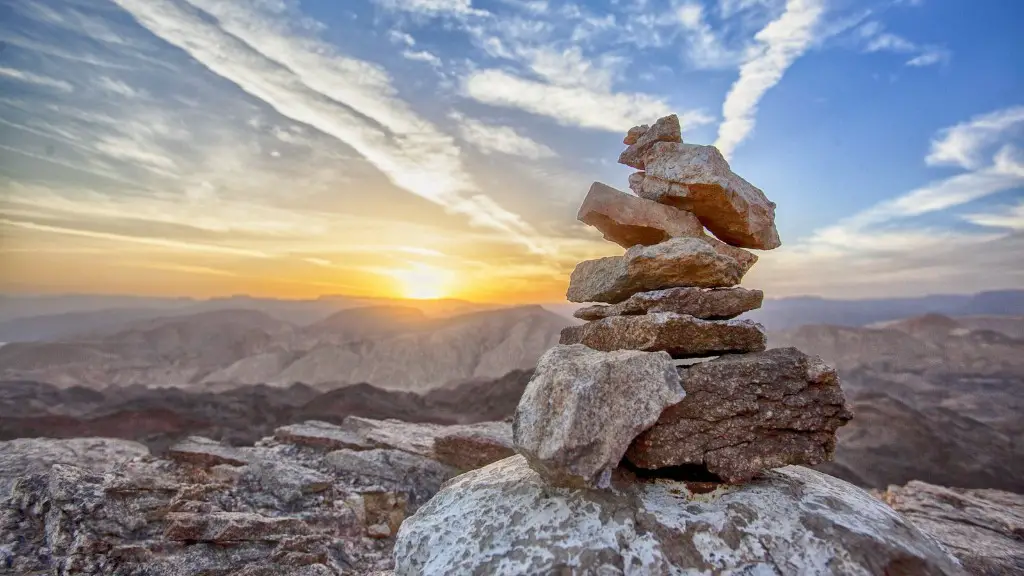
(673, 294)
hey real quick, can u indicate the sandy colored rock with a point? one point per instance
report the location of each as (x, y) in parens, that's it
(640, 142)
(745, 414)
(582, 408)
(680, 335)
(698, 179)
(629, 220)
(706, 303)
(505, 519)
(677, 262)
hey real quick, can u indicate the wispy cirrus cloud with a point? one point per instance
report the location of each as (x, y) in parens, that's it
(876, 39)
(37, 79)
(491, 138)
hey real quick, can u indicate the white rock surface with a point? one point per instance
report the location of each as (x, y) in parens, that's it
(505, 520)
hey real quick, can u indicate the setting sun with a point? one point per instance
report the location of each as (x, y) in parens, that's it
(422, 282)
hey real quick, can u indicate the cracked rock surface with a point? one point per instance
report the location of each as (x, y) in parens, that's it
(705, 303)
(745, 414)
(680, 335)
(505, 519)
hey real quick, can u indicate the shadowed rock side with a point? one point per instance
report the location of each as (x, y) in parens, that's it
(744, 414)
(983, 528)
(504, 519)
(680, 335)
(294, 505)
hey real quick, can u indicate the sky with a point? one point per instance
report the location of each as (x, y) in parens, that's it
(428, 148)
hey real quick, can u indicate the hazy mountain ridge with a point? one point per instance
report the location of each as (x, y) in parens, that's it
(390, 347)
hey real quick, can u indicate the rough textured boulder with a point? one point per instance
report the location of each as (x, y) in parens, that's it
(698, 179)
(474, 445)
(706, 303)
(204, 452)
(983, 528)
(504, 519)
(393, 470)
(745, 414)
(640, 139)
(582, 409)
(680, 335)
(677, 262)
(25, 456)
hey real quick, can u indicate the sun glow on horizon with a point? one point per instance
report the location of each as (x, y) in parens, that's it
(422, 282)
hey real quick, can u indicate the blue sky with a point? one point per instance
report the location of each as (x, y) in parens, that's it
(296, 148)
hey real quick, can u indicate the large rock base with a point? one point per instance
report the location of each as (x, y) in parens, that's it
(503, 519)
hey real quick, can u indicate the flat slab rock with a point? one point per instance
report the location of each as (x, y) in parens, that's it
(474, 445)
(705, 303)
(677, 262)
(680, 335)
(983, 528)
(629, 221)
(25, 456)
(505, 520)
(745, 414)
(582, 408)
(698, 179)
(205, 452)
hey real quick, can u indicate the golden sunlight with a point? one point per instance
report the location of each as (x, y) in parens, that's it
(422, 282)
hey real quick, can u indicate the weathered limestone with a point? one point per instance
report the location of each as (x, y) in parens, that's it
(698, 179)
(640, 139)
(706, 303)
(745, 414)
(582, 409)
(677, 262)
(506, 519)
(680, 335)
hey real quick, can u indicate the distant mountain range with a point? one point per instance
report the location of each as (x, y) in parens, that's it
(390, 347)
(35, 318)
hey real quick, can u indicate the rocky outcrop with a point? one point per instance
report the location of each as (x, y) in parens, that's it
(680, 335)
(640, 139)
(744, 414)
(505, 519)
(94, 506)
(983, 528)
(677, 262)
(698, 179)
(582, 409)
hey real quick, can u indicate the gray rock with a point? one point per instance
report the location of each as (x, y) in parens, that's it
(680, 335)
(418, 475)
(706, 303)
(582, 408)
(745, 414)
(286, 482)
(25, 456)
(677, 262)
(205, 452)
(698, 179)
(983, 528)
(474, 445)
(357, 433)
(227, 527)
(640, 139)
(316, 434)
(506, 520)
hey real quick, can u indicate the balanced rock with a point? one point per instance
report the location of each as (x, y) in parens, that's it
(677, 262)
(698, 179)
(582, 408)
(706, 303)
(745, 414)
(680, 335)
(641, 138)
(629, 220)
(505, 519)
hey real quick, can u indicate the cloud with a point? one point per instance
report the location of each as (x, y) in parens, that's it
(422, 56)
(399, 37)
(431, 7)
(347, 99)
(878, 40)
(37, 79)
(704, 47)
(117, 87)
(779, 44)
(962, 145)
(490, 138)
(1010, 217)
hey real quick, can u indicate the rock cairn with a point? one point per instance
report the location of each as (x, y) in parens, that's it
(612, 389)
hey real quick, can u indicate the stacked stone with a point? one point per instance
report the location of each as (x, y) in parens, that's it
(615, 386)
